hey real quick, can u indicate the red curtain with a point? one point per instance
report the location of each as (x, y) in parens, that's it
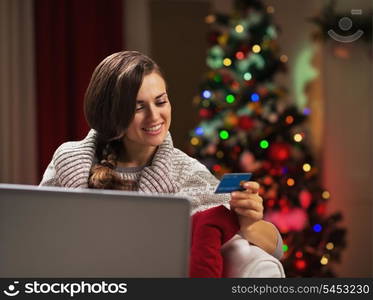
(71, 38)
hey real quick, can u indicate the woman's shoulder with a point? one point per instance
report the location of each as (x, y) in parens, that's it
(84, 146)
(72, 161)
(182, 159)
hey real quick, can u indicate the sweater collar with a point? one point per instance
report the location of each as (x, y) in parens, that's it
(156, 178)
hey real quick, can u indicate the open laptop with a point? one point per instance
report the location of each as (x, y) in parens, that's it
(55, 232)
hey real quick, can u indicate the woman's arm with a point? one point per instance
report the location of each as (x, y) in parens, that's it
(249, 207)
(264, 235)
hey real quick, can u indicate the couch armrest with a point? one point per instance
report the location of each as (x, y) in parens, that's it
(242, 260)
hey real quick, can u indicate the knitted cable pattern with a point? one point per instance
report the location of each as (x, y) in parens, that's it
(171, 172)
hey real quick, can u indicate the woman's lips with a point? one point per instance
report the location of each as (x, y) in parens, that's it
(153, 130)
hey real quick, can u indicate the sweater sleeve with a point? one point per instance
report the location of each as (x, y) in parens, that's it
(49, 177)
(200, 186)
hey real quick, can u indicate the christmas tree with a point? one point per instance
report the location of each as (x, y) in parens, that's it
(248, 125)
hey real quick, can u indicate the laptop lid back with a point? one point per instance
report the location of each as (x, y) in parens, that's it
(54, 232)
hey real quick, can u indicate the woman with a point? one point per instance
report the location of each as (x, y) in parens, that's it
(130, 148)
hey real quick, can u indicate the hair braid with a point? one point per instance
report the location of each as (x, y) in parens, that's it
(102, 174)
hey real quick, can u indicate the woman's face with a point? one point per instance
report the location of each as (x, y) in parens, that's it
(153, 113)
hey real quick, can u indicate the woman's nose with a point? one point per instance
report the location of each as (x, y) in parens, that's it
(153, 112)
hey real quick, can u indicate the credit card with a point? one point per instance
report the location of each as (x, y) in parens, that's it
(231, 182)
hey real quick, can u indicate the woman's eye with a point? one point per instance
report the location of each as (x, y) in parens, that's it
(139, 107)
(161, 102)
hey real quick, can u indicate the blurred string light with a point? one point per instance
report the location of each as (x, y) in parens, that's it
(284, 58)
(324, 260)
(300, 264)
(270, 9)
(306, 111)
(210, 19)
(290, 182)
(224, 135)
(216, 168)
(289, 119)
(329, 246)
(264, 144)
(285, 247)
(325, 195)
(298, 137)
(206, 94)
(239, 28)
(220, 154)
(240, 55)
(247, 76)
(255, 97)
(199, 131)
(317, 228)
(227, 62)
(256, 48)
(306, 167)
(230, 98)
(194, 141)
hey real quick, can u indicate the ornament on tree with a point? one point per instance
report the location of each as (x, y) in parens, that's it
(248, 162)
(245, 123)
(279, 151)
(305, 198)
(293, 219)
(230, 120)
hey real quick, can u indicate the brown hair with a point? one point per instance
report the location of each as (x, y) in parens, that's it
(109, 108)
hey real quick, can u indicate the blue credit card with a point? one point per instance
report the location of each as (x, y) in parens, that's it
(231, 182)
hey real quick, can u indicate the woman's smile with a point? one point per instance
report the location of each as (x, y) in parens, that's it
(154, 129)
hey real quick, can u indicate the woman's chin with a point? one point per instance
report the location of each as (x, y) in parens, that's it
(154, 139)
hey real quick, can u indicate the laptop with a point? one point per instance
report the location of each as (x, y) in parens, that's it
(58, 232)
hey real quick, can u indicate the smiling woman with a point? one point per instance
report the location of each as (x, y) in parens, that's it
(130, 148)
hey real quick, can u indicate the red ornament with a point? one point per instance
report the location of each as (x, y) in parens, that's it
(305, 198)
(279, 151)
(321, 209)
(235, 85)
(266, 165)
(237, 148)
(227, 78)
(268, 180)
(240, 55)
(271, 202)
(300, 264)
(216, 168)
(205, 113)
(245, 123)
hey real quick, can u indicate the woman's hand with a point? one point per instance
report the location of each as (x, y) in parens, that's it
(249, 207)
(247, 204)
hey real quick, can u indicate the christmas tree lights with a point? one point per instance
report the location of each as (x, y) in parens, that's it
(247, 125)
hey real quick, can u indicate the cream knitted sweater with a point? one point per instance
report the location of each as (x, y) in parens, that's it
(171, 171)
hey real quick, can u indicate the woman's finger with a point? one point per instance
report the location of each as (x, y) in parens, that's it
(251, 186)
(248, 204)
(245, 195)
